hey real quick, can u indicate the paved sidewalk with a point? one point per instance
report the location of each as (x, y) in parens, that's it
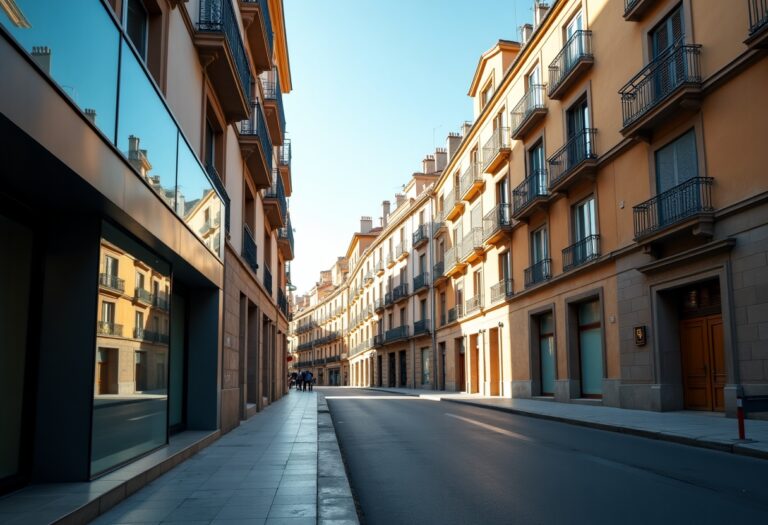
(687, 427)
(263, 472)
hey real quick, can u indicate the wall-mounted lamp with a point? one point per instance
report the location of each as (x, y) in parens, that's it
(501, 325)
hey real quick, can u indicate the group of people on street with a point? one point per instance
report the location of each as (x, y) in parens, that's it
(303, 380)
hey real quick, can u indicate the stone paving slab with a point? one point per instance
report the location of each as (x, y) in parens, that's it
(714, 431)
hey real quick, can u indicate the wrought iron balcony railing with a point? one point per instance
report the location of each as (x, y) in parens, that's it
(581, 252)
(469, 178)
(539, 272)
(108, 328)
(532, 101)
(286, 234)
(499, 140)
(421, 327)
(282, 301)
(421, 281)
(161, 300)
(758, 15)
(451, 256)
(576, 49)
(270, 82)
(532, 188)
(112, 281)
(150, 336)
(579, 148)
(472, 242)
(499, 218)
(378, 339)
(277, 192)
(420, 235)
(685, 200)
(387, 298)
(379, 304)
(217, 16)
(285, 153)
(257, 127)
(438, 270)
(677, 67)
(504, 289)
(474, 303)
(400, 292)
(395, 334)
(268, 280)
(456, 313)
(140, 294)
(249, 248)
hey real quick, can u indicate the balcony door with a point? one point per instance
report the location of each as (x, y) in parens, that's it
(575, 46)
(538, 174)
(665, 37)
(677, 163)
(539, 255)
(579, 141)
(584, 230)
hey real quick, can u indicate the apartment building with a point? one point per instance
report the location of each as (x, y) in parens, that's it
(603, 230)
(145, 174)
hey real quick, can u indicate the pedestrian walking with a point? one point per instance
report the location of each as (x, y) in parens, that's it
(309, 380)
(300, 381)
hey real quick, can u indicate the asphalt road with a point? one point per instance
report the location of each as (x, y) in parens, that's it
(420, 461)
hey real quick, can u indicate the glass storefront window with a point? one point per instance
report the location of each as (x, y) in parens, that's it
(130, 396)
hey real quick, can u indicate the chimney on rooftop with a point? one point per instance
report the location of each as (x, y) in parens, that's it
(465, 127)
(441, 159)
(90, 114)
(526, 30)
(385, 213)
(428, 164)
(366, 224)
(452, 144)
(399, 199)
(539, 12)
(42, 57)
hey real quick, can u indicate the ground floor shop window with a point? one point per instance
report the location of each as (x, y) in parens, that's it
(130, 403)
(425, 366)
(590, 349)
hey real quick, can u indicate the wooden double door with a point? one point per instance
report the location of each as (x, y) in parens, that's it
(703, 360)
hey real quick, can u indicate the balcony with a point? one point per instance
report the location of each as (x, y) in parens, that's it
(396, 334)
(496, 150)
(284, 163)
(453, 206)
(455, 313)
(161, 300)
(378, 340)
(635, 9)
(285, 241)
(275, 205)
(273, 105)
(421, 327)
(473, 304)
(267, 280)
(529, 112)
(530, 195)
(368, 279)
(249, 248)
(472, 246)
(502, 290)
(438, 271)
(471, 182)
(570, 63)
(758, 24)
(388, 299)
(581, 252)
(496, 222)
(538, 273)
(688, 205)
(573, 162)
(438, 227)
(400, 292)
(379, 268)
(401, 251)
(210, 225)
(258, 30)
(672, 82)
(282, 302)
(109, 328)
(140, 295)
(220, 45)
(379, 305)
(421, 236)
(256, 148)
(453, 264)
(421, 282)
(391, 260)
(111, 282)
(150, 336)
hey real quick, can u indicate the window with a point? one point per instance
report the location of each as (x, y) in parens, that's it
(139, 280)
(502, 191)
(442, 308)
(137, 26)
(423, 309)
(477, 282)
(576, 47)
(584, 221)
(402, 317)
(422, 263)
(486, 94)
(505, 266)
(425, 366)
(139, 323)
(110, 265)
(539, 250)
(536, 169)
(676, 162)
(577, 121)
(668, 33)
(107, 312)
(210, 145)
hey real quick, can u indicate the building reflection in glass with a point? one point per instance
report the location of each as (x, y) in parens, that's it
(131, 360)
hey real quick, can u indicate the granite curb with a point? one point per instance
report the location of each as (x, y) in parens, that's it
(738, 448)
(335, 503)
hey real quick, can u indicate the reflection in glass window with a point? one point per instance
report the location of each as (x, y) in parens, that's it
(136, 22)
(130, 403)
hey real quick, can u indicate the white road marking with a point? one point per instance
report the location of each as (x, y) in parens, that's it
(491, 428)
(144, 417)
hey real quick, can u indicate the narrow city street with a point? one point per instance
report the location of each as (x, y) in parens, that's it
(413, 460)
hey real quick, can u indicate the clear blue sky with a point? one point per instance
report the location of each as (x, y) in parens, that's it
(376, 86)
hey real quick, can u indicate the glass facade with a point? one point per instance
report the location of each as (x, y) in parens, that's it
(134, 117)
(130, 393)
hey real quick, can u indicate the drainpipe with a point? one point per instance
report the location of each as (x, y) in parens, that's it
(431, 294)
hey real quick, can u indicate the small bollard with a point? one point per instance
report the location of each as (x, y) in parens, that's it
(740, 417)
